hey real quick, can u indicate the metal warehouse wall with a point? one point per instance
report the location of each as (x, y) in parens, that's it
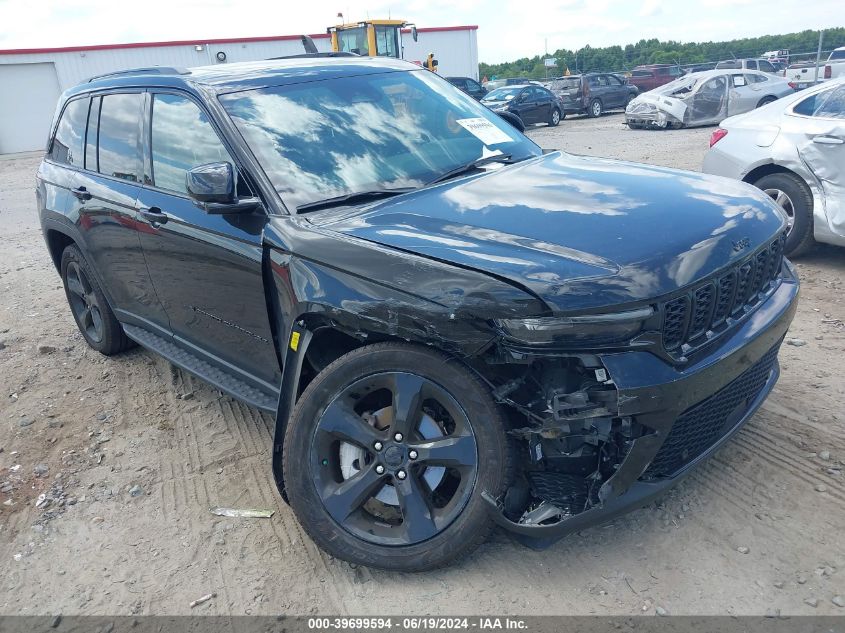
(27, 90)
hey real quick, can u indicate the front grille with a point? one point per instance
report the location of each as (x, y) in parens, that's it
(702, 425)
(707, 306)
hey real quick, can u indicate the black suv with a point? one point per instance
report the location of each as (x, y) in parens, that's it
(453, 329)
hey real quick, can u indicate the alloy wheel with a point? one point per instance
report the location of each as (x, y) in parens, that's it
(394, 458)
(783, 200)
(84, 303)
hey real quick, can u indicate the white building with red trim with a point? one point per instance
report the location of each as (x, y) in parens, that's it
(31, 80)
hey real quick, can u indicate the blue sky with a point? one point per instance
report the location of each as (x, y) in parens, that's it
(507, 30)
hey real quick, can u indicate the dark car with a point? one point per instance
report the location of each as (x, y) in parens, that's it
(532, 104)
(593, 93)
(468, 85)
(452, 329)
(653, 76)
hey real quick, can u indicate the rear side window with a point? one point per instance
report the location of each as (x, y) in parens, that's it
(182, 138)
(829, 104)
(119, 152)
(69, 142)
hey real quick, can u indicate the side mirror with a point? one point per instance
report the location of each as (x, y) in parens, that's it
(212, 186)
(414, 33)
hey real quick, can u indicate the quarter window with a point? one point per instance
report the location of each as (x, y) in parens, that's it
(69, 142)
(182, 138)
(118, 152)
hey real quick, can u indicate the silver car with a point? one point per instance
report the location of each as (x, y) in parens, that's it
(794, 150)
(704, 98)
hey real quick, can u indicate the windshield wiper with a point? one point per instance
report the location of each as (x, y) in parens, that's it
(353, 198)
(476, 164)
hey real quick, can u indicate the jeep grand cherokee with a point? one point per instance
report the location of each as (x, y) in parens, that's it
(453, 329)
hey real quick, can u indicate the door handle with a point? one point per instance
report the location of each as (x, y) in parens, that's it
(828, 140)
(153, 214)
(81, 193)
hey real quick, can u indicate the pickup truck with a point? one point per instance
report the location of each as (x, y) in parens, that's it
(803, 75)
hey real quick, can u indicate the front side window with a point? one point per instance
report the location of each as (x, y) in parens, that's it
(766, 67)
(181, 138)
(828, 104)
(386, 41)
(353, 40)
(69, 141)
(347, 135)
(119, 151)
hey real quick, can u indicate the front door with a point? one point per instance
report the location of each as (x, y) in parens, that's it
(206, 269)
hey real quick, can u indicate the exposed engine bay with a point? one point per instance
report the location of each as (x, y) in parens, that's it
(571, 436)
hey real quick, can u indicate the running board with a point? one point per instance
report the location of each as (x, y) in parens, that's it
(222, 380)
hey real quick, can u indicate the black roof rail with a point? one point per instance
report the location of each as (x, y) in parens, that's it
(307, 55)
(151, 70)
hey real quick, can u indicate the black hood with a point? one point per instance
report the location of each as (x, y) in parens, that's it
(579, 232)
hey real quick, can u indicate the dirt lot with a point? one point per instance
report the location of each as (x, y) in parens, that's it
(133, 453)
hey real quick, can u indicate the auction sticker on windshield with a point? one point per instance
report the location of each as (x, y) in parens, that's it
(484, 131)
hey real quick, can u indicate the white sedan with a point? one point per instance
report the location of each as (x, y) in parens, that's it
(704, 98)
(794, 150)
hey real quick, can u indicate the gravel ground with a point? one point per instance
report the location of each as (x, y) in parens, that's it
(130, 453)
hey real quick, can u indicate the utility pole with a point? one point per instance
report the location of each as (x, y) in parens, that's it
(818, 57)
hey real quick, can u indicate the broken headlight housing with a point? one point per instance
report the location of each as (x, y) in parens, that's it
(612, 327)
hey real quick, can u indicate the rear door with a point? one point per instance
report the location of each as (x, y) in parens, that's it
(103, 180)
(545, 99)
(616, 91)
(206, 269)
(819, 124)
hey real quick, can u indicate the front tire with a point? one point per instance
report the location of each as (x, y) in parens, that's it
(406, 502)
(89, 306)
(792, 195)
(555, 117)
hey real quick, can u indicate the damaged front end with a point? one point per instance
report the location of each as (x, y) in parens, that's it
(602, 433)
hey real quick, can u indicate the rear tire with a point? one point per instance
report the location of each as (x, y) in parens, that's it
(363, 526)
(793, 195)
(766, 101)
(91, 311)
(596, 108)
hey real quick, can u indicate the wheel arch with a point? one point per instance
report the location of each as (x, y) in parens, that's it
(57, 242)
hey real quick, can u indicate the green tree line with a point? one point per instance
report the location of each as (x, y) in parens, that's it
(654, 51)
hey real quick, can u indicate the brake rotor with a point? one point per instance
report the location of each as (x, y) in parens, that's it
(352, 457)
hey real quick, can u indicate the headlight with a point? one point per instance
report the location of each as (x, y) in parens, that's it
(582, 329)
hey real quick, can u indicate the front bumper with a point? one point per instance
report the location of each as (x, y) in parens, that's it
(658, 394)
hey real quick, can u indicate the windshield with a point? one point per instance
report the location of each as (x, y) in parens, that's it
(502, 94)
(322, 139)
